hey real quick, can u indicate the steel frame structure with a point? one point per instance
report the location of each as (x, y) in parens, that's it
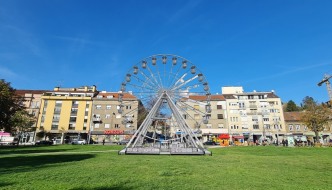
(169, 96)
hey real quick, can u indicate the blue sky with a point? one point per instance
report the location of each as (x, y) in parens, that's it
(285, 46)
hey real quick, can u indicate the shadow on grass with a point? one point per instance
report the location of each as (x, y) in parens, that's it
(116, 187)
(4, 184)
(30, 163)
(30, 149)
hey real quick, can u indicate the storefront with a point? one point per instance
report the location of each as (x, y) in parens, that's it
(238, 140)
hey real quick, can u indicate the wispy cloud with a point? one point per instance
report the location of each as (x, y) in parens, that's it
(7, 73)
(79, 40)
(288, 72)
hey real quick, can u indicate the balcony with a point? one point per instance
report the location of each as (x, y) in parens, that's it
(254, 113)
(96, 120)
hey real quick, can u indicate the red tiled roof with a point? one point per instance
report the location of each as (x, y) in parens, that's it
(115, 94)
(292, 116)
(203, 97)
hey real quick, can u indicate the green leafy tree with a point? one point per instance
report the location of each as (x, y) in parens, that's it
(291, 106)
(22, 122)
(315, 115)
(9, 105)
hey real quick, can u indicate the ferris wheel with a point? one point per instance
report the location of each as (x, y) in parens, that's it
(173, 102)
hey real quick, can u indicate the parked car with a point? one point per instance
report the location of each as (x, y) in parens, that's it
(209, 142)
(81, 142)
(44, 142)
(123, 142)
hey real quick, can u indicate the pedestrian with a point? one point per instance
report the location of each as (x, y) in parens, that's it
(103, 141)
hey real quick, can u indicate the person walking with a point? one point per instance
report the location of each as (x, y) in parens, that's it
(103, 141)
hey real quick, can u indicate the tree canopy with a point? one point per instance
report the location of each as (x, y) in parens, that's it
(10, 104)
(315, 115)
(291, 106)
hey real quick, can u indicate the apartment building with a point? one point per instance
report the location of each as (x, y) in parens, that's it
(66, 113)
(112, 121)
(32, 102)
(216, 120)
(254, 116)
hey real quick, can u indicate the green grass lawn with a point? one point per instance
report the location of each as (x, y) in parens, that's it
(88, 167)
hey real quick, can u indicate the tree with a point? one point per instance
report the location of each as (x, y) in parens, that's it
(9, 105)
(307, 101)
(22, 122)
(291, 106)
(315, 116)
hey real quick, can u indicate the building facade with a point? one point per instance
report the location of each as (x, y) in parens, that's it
(66, 113)
(110, 124)
(296, 128)
(32, 102)
(254, 116)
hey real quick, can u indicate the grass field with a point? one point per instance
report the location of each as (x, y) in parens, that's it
(100, 167)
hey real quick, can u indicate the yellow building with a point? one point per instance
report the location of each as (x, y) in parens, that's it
(66, 112)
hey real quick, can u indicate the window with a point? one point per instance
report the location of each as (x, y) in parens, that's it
(297, 127)
(265, 119)
(97, 125)
(267, 126)
(108, 116)
(107, 125)
(305, 127)
(99, 96)
(118, 116)
(128, 107)
(219, 107)
(220, 125)
(208, 116)
(220, 116)
(184, 116)
(290, 127)
(116, 126)
(71, 127)
(54, 127)
(98, 107)
(72, 119)
(110, 97)
(255, 126)
(108, 107)
(208, 126)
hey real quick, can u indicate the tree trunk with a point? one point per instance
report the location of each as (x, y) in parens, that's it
(317, 137)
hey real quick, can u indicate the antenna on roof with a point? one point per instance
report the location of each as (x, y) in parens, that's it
(60, 83)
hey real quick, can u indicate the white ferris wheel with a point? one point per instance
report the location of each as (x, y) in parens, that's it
(174, 101)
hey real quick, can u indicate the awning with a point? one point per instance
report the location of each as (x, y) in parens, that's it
(223, 136)
(238, 137)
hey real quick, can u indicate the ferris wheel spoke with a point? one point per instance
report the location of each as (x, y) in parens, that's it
(153, 77)
(140, 87)
(146, 82)
(158, 72)
(184, 83)
(187, 106)
(175, 77)
(147, 78)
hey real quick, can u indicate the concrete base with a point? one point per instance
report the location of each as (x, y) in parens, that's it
(157, 151)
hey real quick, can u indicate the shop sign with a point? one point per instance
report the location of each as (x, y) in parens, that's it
(113, 132)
